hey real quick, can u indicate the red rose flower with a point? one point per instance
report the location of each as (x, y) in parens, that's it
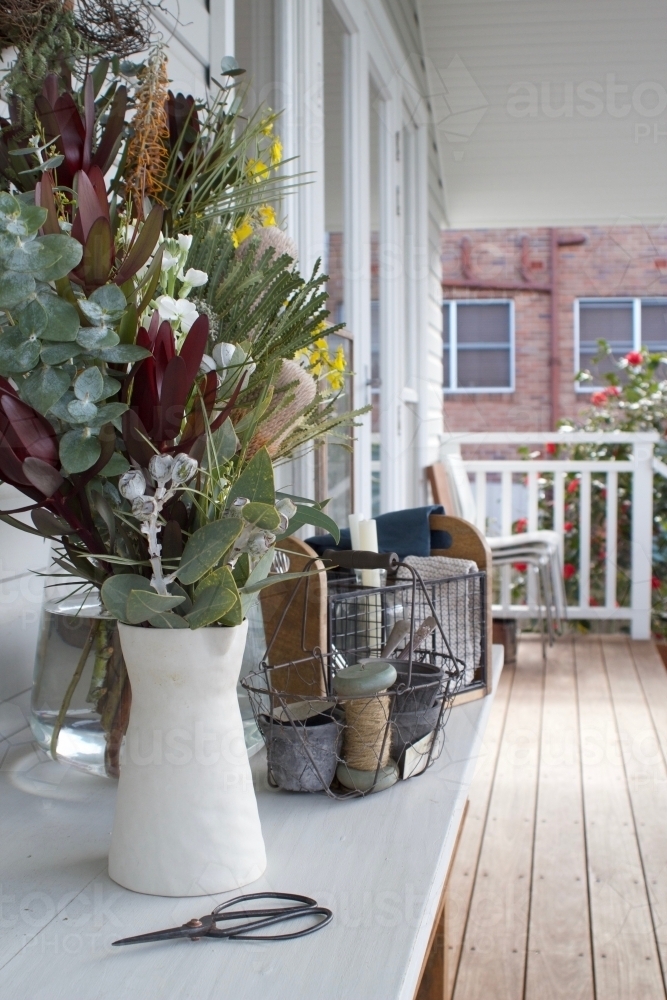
(551, 448)
(568, 526)
(522, 525)
(634, 358)
(521, 567)
(612, 390)
(599, 398)
(573, 486)
(655, 583)
(569, 570)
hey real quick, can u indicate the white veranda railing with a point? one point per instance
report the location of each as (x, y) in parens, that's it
(505, 490)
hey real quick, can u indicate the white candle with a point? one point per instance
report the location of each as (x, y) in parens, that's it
(353, 521)
(368, 542)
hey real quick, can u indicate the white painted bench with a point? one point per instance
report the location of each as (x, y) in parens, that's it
(380, 863)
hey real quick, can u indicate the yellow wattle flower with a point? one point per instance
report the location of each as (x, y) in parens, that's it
(257, 170)
(242, 232)
(267, 214)
(276, 152)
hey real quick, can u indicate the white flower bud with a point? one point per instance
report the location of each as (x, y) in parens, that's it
(236, 509)
(144, 508)
(260, 542)
(286, 507)
(207, 364)
(183, 469)
(132, 484)
(184, 241)
(223, 354)
(160, 467)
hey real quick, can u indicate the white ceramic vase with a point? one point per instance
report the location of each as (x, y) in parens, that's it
(186, 821)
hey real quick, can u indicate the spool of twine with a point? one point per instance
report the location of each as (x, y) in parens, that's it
(366, 732)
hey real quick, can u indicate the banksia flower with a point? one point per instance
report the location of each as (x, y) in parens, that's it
(147, 152)
(266, 237)
(295, 391)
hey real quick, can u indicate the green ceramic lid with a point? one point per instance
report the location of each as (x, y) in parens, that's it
(364, 678)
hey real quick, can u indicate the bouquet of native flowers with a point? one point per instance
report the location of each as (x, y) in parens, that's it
(156, 349)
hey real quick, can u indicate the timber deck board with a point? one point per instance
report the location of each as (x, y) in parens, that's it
(559, 886)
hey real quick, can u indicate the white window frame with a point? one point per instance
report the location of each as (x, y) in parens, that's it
(453, 388)
(637, 345)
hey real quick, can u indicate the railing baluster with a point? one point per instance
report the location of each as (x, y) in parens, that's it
(480, 500)
(559, 513)
(584, 539)
(642, 539)
(611, 541)
(506, 529)
(533, 592)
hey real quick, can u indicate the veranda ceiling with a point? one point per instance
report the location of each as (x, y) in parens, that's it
(549, 113)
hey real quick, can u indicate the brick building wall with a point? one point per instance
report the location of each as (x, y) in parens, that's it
(628, 260)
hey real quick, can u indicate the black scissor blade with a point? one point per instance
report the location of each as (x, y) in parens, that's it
(169, 934)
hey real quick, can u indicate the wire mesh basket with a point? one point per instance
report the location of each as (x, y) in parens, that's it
(323, 732)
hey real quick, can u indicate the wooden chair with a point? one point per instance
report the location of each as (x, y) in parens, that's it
(468, 542)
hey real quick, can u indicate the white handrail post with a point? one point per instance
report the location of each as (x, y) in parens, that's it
(642, 539)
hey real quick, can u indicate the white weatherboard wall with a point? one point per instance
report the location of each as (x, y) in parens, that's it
(549, 113)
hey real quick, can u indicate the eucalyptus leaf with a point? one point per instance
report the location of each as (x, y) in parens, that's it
(67, 253)
(56, 354)
(235, 616)
(116, 590)
(168, 620)
(32, 318)
(48, 524)
(110, 412)
(214, 602)
(94, 338)
(111, 387)
(116, 466)
(79, 450)
(89, 385)
(15, 288)
(256, 481)
(262, 515)
(206, 547)
(109, 300)
(143, 604)
(82, 411)
(44, 387)
(18, 354)
(59, 409)
(306, 514)
(123, 354)
(32, 256)
(224, 442)
(62, 319)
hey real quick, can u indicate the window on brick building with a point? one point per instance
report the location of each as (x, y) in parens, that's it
(626, 324)
(478, 346)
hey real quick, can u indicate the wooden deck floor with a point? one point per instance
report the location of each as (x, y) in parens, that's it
(559, 887)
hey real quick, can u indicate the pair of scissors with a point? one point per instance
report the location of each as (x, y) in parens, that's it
(247, 921)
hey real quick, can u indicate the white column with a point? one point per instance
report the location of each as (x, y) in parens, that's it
(418, 272)
(642, 539)
(392, 311)
(357, 253)
(221, 33)
(299, 70)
